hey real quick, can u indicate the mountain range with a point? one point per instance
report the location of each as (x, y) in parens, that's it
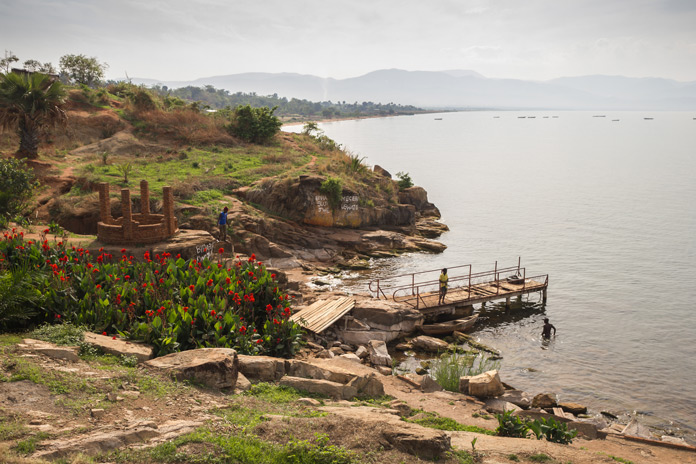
(462, 89)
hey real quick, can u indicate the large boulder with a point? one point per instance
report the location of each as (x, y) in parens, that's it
(66, 353)
(261, 368)
(426, 343)
(379, 356)
(544, 401)
(498, 406)
(486, 385)
(214, 367)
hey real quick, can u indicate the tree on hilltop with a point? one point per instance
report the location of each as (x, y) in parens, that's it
(81, 69)
(28, 102)
(6, 62)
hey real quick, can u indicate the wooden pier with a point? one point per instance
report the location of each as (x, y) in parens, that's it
(465, 288)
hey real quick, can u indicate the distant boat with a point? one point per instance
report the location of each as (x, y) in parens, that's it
(648, 119)
(496, 117)
(445, 328)
(554, 117)
(438, 119)
(614, 120)
(599, 116)
(531, 117)
(521, 117)
(546, 117)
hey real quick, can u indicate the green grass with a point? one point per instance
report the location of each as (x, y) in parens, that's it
(11, 429)
(279, 394)
(540, 457)
(28, 446)
(445, 423)
(60, 334)
(242, 448)
(11, 339)
(462, 457)
(617, 459)
(513, 457)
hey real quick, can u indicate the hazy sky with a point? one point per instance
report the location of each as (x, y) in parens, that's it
(525, 39)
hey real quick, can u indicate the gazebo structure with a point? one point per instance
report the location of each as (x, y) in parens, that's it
(138, 228)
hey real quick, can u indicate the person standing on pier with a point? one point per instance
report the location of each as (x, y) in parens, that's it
(443, 286)
(546, 332)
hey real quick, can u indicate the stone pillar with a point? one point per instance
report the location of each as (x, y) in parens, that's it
(507, 303)
(127, 214)
(144, 198)
(168, 210)
(544, 296)
(104, 203)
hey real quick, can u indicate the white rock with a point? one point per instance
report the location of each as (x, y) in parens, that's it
(379, 356)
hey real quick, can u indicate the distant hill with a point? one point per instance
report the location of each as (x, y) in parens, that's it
(461, 89)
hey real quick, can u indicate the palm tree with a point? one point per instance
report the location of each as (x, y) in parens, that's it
(28, 102)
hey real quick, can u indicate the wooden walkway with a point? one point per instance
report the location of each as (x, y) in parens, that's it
(321, 314)
(465, 288)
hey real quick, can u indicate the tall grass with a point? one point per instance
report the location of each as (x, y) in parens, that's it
(451, 366)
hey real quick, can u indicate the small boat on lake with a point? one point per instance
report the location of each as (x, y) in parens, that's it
(446, 328)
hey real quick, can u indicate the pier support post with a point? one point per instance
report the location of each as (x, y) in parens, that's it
(543, 296)
(507, 303)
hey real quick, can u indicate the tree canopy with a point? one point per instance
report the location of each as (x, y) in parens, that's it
(28, 102)
(82, 69)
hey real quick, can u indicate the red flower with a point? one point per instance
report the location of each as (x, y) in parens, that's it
(273, 276)
(221, 250)
(114, 337)
(103, 333)
(269, 308)
(123, 250)
(228, 280)
(57, 316)
(185, 308)
(126, 277)
(162, 281)
(210, 282)
(259, 341)
(212, 312)
(242, 330)
(98, 286)
(191, 287)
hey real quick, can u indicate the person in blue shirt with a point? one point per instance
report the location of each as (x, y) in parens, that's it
(222, 224)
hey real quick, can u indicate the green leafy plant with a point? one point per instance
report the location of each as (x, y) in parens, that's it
(333, 189)
(16, 186)
(552, 430)
(539, 457)
(404, 181)
(510, 425)
(125, 169)
(356, 164)
(171, 303)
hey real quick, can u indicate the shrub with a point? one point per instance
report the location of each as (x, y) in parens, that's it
(404, 181)
(333, 189)
(168, 302)
(16, 186)
(20, 297)
(256, 125)
(511, 426)
(552, 430)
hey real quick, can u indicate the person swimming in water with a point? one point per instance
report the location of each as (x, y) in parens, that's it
(546, 332)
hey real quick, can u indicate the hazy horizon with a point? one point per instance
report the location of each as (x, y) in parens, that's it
(183, 41)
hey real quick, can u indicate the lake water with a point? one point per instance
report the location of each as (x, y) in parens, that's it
(607, 208)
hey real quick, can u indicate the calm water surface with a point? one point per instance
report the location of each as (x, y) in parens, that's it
(606, 208)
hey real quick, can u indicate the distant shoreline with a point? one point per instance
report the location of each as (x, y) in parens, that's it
(375, 116)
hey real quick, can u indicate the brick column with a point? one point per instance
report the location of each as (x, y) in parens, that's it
(144, 198)
(127, 214)
(168, 210)
(104, 204)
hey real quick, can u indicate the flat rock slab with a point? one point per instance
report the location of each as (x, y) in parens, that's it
(67, 353)
(410, 438)
(213, 367)
(104, 441)
(426, 343)
(322, 387)
(119, 347)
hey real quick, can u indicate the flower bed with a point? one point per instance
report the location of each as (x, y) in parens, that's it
(166, 301)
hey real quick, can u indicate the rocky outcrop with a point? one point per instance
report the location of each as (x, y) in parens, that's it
(323, 387)
(376, 319)
(66, 353)
(261, 368)
(432, 344)
(213, 367)
(418, 197)
(486, 385)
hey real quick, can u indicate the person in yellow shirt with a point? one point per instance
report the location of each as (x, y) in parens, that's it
(443, 286)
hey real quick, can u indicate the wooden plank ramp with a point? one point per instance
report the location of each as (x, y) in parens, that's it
(321, 314)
